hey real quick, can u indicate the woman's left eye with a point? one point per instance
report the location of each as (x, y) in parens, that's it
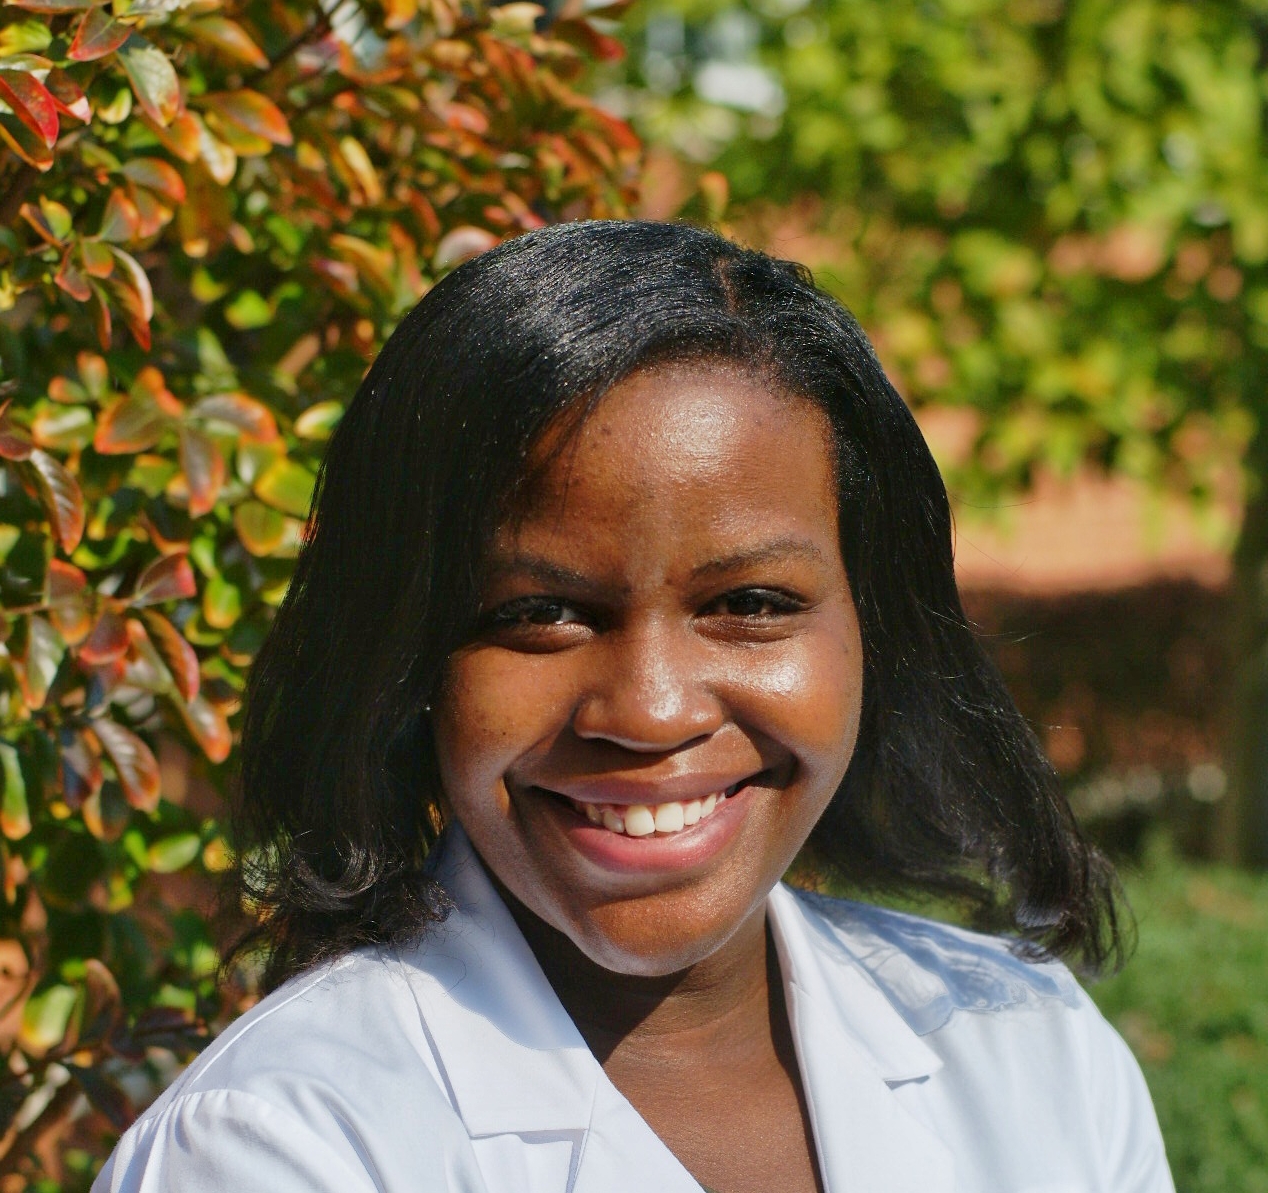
(755, 602)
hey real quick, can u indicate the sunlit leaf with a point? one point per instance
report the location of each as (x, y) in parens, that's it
(260, 528)
(287, 486)
(53, 5)
(229, 38)
(177, 653)
(23, 37)
(131, 287)
(97, 35)
(252, 111)
(153, 78)
(169, 854)
(219, 158)
(15, 816)
(204, 469)
(39, 661)
(462, 243)
(253, 418)
(63, 428)
(131, 424)
(182, 136)
(222, 603)
(167, 579)
(29, 145)
(318, 422)
(38, 219)
(157, 175)
(31, 103)
(61, 497)
(97, 258)
(47, 1018)
(134, 763)
(209, 727)
(72, 279)
(68, 95)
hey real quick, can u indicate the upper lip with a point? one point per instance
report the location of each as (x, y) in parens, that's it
(616, 790)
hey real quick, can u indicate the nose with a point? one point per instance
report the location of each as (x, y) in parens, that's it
(650, 692)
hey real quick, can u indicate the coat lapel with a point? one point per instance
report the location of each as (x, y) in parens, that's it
(852, 1048)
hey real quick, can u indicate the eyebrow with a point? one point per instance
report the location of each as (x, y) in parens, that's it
(775, 551)
(545, 571)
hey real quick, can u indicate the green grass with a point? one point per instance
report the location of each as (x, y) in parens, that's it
(1193, 1005)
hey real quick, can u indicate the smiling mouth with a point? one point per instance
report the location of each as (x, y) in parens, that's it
(648, 820)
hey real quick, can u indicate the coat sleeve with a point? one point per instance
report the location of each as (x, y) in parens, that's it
(227, 1141)
(1134, 1157)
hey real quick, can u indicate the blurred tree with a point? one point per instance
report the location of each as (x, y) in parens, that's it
(213, 212)
(1050, 214)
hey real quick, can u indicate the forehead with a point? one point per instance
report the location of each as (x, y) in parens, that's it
(706, 444)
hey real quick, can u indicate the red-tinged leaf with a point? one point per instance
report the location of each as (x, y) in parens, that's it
(97, 258)
(134, 763)
(15, 440)
(131, 288)
(101, 317)
(156, 175)
(38, 220)
(107, 642)
(119, 222)
(68, 95)
(220, 159)
(61, 497)
(254, 419)
(182, 137)
(72, 279)
(64, 581)
(27, 144)
(79, 769)
(252, 111)
(31, 103)
(106, 813)
(230, 39)
(39, 661)
(98, 34)
(152, 215)
(145, 667)
(133, 424)
(204, 469)
(209, 726)
(461, 244)
(153, 79)
(167, 579)
(103, 1004)
(63, 389)
(243, 143)
(177, 653)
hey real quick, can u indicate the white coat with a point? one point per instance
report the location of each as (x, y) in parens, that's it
(932, 1059)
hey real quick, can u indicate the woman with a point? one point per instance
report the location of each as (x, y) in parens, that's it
(629, 582)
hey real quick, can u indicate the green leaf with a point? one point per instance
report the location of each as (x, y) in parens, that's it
(260, 528)
(248, 311)
(15, 816)
(287, 486)
(153, 79)
(222, 603)
(173, 853)
(319, 421)
(47, 1019)
(64, 428)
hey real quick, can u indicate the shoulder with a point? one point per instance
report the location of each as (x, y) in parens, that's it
(931, 971)
(332, 1074)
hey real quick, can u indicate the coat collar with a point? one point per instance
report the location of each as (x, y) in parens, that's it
(515, 1062)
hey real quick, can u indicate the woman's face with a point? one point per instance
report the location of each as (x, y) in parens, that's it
(665, 690)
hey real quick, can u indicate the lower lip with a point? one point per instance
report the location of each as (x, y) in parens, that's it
(674, 852)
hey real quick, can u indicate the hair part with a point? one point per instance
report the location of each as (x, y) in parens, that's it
(948, 792)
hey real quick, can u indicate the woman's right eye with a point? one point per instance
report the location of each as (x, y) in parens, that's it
(532, 611)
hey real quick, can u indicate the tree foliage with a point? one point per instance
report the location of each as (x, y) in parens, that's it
(1049, 213)
(214, 211)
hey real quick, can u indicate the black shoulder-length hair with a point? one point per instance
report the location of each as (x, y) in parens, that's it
(948, 792)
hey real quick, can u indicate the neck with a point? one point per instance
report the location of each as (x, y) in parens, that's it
(722, 1004)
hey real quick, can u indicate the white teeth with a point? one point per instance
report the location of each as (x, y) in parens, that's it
(670, 818)
(642, 820)
(639, 821)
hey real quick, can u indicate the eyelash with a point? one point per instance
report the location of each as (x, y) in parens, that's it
(521, 612)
